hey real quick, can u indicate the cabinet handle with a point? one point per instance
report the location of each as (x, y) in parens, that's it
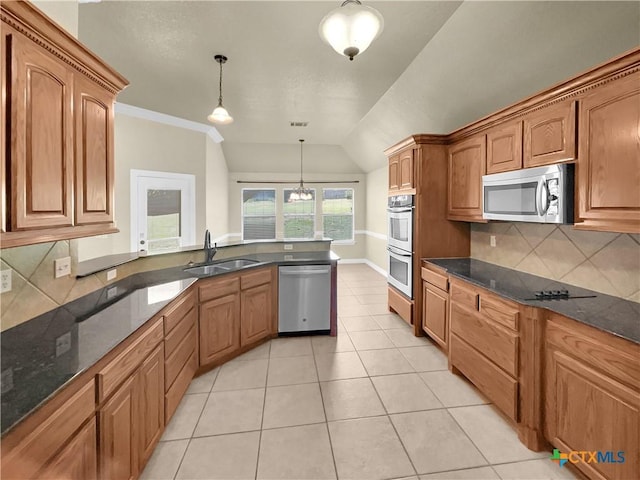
(478, 302)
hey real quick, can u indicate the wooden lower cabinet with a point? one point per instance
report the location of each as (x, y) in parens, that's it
(78, 460)
(219, 327)
(435, 313)
(256, 313)
(117, 425)
(592, 397)
(151, 408)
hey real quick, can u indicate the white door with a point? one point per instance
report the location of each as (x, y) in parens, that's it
(162, 211)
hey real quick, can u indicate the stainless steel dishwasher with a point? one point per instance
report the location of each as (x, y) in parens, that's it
(304, 299)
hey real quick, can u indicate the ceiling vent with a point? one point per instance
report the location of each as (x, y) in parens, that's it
(299, 124)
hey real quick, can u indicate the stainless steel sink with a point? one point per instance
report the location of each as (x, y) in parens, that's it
(206, 270)
(233, 264)
(221, 267)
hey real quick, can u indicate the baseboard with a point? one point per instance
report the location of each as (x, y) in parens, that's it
(369, 263)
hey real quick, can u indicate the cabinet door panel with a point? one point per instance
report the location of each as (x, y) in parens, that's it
(78, 460)
(609, 159)
(118, 419)
(42, 138)
(467, 163)
(219, 328)
(550, 135)
(151, 419)
(588, 411)
(504, 148)
(94, 153)
(406, 170)
(394, 173)
(256, 313)
(434, 318)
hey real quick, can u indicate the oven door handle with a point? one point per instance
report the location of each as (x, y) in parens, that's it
(396, 252)
(400, 210)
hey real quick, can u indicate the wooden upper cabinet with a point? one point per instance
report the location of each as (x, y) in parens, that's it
(609, 157)
(57, 132)
(94, 153)
(467, 163)
(41, 154)
(504, 148)
(401, 173)
(550, 135)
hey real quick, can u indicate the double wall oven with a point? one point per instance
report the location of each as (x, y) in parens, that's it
(400, 211)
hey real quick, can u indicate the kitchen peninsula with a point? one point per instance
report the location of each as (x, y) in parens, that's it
(139, 341)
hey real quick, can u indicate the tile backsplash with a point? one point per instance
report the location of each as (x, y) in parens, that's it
(601, 261)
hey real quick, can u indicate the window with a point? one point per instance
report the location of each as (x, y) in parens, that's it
(299, 216)
(337, 214)
(258, 214)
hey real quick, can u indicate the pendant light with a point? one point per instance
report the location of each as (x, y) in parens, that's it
(301, 192)
(351, 28)
(220, 114)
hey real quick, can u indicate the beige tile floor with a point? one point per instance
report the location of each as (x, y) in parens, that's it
(375, 402)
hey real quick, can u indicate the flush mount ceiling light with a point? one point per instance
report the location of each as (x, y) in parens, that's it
(351, 28)
(301, 192)
(220, 114)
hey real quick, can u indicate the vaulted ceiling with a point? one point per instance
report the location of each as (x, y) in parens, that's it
(436, 67)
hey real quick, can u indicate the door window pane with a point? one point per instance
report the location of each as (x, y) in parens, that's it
(337, 213)
(299, 216)
(258, 214)
(163, 220)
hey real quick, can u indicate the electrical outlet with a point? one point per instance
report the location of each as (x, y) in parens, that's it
(5, 281)
(62, 267)
(288, 257)
(492, 240)
(112, 292)
(63, 344)
(111, 274)
(288, 246)
(492, 283)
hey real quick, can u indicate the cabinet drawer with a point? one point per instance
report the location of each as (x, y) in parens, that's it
(435, 279)
(53, 433)
(490, 380)
(253, 279)
(219, 287)
(464, 295)
(501, 311)
(179, 387)
(495, 342)
(177, 312)
(172, 340)
(174, 363)
(124, 364)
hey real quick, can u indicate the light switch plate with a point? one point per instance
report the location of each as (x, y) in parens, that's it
(111, 274)
(62, 267)
(5, 281)
(288, 246)
(63, 344)
(492, 240)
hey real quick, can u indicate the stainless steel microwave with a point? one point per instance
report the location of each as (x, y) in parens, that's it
(539, 195)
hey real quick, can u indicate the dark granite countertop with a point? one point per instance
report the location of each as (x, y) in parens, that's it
(41, 356)
(613, 315)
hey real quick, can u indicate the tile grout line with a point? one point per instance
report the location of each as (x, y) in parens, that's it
(324, 408)
(264, 403)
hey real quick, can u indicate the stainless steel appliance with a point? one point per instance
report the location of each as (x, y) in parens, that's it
(539, 195)
(304, 299)
(401, 270)
(400, 212)
(400, 221)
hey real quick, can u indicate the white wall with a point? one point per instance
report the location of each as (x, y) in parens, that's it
(217, 190)
(377, 186)
(63, 12)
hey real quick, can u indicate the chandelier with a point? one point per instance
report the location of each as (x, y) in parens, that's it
(220, 114)
(301, 192)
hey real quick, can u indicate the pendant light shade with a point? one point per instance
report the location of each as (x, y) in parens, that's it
(351, 28)
(220, 115)
(301, 192)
